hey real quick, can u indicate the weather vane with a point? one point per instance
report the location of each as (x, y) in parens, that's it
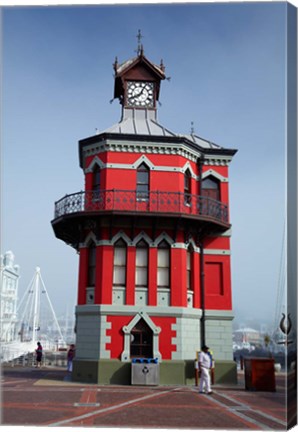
(140, 45)
(192, 129)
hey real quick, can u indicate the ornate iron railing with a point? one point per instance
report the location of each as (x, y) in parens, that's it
(133, 201)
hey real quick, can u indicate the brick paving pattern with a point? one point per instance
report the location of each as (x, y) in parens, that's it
(47, 397)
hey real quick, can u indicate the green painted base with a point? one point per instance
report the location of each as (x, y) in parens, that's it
(172, 372)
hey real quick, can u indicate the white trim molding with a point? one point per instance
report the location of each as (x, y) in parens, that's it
(212, 172)
(142, 236)
(121, 235)
(125, 356)
(149, 148)
(95, 161)
(161, 237)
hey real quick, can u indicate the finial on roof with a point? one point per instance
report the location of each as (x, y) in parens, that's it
(115, 65)
(162, 66)
(140, 49)
(192, 129)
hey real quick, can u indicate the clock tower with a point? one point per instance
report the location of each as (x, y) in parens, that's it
(152, 231)
(137, 84)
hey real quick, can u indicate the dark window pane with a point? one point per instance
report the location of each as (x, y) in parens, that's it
(96, 179)
(91, 264)
(141, 340)
(142, 188)
(143, 167)
(209, 183)
(142, 177)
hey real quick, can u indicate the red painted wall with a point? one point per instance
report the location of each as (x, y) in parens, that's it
(217, 276)
(104, 274)
(218, 294)
(178, 277)
(152, 280)
(217, 243)
(217, 267)
(116, 346)
(166, 348)
(125, 179)
(130, 275)
(83, 268)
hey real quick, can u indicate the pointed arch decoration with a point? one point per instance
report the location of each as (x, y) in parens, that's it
(192, 244)
(142, 236)
(188, 167)
(163, 237)
(141, 160)
(211, 172)
(90, 238)
(95, 161)
(125, 356)
(121, 235)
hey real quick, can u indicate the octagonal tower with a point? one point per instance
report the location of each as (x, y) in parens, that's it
(152, 230)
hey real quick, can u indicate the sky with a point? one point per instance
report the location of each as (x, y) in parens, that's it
(227, 64)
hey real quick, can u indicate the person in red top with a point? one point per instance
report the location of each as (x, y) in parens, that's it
(70, 355)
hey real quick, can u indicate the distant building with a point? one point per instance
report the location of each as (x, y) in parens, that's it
(247, 335)
(9, 295)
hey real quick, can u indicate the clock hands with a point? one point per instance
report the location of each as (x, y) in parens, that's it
(138, 93)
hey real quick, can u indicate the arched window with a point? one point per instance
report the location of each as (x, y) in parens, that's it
(141, 344)
(142, 264)
(163, 265)
(142, 186)
(96, 183)
(91, 264)
(187, 187)
(119, 276)
(189, 269)
(210, 188)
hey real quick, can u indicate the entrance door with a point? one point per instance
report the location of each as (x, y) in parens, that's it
(141, 344)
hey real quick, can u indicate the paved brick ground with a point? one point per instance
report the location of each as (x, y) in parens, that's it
(46, 397)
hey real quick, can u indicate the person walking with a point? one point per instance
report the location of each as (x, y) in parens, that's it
(204, 368)
(38, 353)
(70, 355)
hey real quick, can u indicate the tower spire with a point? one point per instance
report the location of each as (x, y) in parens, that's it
(192, 128)
(140, 49)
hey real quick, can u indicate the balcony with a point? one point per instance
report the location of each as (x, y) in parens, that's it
(173, 204)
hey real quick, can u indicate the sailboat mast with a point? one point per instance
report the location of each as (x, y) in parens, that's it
(52, 310)
(36, 304)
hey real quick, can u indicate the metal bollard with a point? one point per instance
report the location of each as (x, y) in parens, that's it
(196, 365)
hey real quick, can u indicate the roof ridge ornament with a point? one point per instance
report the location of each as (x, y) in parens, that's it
(140, 49)
(115, 64)
(192, 128)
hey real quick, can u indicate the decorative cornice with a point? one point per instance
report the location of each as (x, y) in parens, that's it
(147, 148)
(151, 243)
(151, 147)
(183, 312)
(157, 168)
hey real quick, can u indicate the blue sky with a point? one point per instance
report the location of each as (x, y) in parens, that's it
(227, 69)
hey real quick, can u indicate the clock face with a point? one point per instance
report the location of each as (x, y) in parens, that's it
(140, 94)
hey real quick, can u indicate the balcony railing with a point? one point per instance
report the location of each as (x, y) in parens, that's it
(146, 202)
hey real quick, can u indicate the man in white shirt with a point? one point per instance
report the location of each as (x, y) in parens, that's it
(204, 367)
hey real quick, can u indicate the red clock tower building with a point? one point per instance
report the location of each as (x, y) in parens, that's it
(152, 230)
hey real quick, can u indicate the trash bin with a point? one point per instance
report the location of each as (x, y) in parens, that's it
(259, 374)
(145, 371)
